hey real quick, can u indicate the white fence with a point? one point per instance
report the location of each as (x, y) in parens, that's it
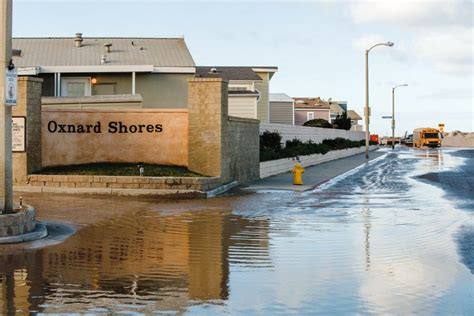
(274, 167)
(305, 133)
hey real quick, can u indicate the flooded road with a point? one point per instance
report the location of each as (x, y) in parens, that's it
(393, 236)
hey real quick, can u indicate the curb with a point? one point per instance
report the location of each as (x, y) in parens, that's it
(221, 189)
(114, 192)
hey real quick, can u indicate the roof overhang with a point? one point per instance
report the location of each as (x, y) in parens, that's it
(309, 109)
(96, 69)
(103, 69)
(270, 70)
(28, 71)
(175, 70)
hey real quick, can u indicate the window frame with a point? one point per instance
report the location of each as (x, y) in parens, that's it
(87, 87)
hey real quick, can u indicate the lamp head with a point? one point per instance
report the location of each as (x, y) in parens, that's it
(389, 44)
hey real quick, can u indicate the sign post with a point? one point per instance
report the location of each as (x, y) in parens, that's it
(7, 94)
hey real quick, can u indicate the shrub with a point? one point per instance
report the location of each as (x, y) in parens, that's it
(318, 123)
(270, 140)
(342, 143)
(342, 122)
(295, 142)
(294, 148)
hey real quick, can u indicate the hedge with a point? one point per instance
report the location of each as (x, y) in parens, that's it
(296, 147)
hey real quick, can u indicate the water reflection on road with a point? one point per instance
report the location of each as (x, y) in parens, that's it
(376, 241)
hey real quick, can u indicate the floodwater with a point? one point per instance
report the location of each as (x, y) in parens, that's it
(380, 240)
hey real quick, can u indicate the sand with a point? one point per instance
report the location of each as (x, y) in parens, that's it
(458, 139)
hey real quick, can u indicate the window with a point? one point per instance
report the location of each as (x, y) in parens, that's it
(238, 88)
(75, 87)
(310, 116)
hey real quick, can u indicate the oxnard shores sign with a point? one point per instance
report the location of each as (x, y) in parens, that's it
(112, 128)
(76, 136)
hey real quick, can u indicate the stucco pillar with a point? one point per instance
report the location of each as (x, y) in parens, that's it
(207, 106)
(28, 106)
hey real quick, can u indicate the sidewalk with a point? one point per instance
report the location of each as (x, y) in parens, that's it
(313, 176)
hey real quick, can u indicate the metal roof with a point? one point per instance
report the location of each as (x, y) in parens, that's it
(158, 52)
(227, 73)
(280, 97)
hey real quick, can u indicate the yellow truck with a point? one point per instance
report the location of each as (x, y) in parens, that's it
(429, 137)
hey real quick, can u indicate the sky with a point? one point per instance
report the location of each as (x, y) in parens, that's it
(318, 46)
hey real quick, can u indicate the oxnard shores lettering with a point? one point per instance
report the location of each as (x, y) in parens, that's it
(113, 127)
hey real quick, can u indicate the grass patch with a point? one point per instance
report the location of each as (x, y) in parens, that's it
(119, 169)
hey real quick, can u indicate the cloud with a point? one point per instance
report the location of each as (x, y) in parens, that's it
(440, 31)
(413, 12)
(450, 49)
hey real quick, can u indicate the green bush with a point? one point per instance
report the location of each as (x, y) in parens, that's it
(318, 123)
(342, 143)
(270, 140)
(296, 147)
(295, 142)
(342, 122)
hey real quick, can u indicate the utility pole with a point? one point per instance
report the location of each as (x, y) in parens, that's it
(393, 118)
(393, 112)
(367, 107)
(6, 178)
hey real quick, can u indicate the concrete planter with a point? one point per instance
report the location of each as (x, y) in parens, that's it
(19, 223)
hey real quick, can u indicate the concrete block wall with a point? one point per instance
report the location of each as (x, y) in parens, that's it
(242, 149)
(274, 167)
(305, 133)
(29, 106)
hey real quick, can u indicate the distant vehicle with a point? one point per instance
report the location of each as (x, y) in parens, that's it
(408, 141)
(374, 138)
(426, 136)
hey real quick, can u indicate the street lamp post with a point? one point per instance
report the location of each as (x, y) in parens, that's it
(367, 108)
(393, 112)
(6, 189)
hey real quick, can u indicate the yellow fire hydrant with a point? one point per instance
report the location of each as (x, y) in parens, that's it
(298, 171)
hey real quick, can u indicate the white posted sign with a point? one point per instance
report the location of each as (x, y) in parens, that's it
(18, 133)
(11, 85)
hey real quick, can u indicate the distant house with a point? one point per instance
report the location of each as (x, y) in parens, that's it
(153, 70)
(282, 109)
(355, 118)
(249, 89)
(336, 110)
(311, 108)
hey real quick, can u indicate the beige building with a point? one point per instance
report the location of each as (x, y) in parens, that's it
(307, 109)
(154, 71)
(249, 89)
